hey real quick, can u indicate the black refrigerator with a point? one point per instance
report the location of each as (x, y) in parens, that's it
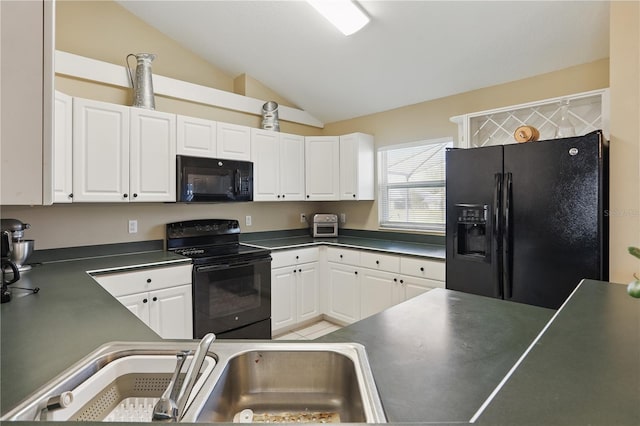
(527, 222)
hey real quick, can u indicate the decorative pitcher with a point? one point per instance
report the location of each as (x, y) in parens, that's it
(143, 83)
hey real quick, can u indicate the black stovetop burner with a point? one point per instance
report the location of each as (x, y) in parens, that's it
(209, 240)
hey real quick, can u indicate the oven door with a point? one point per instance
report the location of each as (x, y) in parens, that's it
(231, 295)
(325, 229)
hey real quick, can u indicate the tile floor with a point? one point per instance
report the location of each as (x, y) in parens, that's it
(310, 332)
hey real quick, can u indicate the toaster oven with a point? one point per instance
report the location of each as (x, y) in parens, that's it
(324, 225)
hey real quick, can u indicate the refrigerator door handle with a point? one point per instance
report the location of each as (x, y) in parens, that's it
(507, 274)
(497, 260)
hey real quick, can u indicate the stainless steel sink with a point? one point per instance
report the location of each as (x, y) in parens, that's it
(118, 382)
(289, 382)
(248, 381)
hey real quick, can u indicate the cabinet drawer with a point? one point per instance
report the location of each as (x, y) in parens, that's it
(124, 283)
(380, 261)
(423, 268)
(344, 256)
(294, 257)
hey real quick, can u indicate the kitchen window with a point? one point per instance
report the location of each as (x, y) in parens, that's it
(411, 181)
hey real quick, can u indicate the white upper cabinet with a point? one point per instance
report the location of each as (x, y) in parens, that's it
(356, 167)
(265, 154)
(322, 168)
(196, 137)
(63, 149)
(26, 102)
(152, 172)
(278, 166)
(234, 141)
(100, 151)
(122, 154)
(292, 175)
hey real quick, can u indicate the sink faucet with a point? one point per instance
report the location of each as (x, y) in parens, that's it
(172, 408)
(166, 408)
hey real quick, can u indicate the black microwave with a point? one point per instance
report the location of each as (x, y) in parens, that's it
(202, 179)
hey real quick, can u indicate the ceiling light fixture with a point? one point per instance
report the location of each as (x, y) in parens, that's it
(343, 14)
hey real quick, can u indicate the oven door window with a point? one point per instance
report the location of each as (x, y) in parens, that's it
(229, 297)
(325, 229)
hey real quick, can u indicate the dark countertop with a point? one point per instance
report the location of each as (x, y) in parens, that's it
(437, 357)
(585, 369)
(383, 245)
(45, 333)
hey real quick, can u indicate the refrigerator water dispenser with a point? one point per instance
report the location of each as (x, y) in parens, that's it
(472, 233)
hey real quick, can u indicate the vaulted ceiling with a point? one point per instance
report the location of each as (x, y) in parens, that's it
(410, 52)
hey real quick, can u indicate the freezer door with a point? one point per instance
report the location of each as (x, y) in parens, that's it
(554, 219)
(474, 179)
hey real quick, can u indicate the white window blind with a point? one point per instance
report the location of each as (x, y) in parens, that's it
(411, 181)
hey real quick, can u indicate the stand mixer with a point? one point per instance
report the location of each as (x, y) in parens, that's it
(14, 246)
(15, 252)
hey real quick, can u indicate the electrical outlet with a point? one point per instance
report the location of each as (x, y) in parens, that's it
(303, 218)
(133, 226)
(247, 220)
(343, 218)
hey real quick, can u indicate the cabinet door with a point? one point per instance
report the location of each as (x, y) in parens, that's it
(100, 151)
(416, 286)
(283, 297)
(292, 167)
(138, 304)
(196, 137)
(357, 167)
(170, 312)
(26, 102)
(343, 301)
(265, 154)
(322, 168)
(152, 156)
(377, 292)
(234, 141)
(348, 167)
(308, 292)
(63, 149)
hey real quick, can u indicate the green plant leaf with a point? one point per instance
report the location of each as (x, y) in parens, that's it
(635, 251)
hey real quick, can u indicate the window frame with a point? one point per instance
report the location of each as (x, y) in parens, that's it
(383, 187)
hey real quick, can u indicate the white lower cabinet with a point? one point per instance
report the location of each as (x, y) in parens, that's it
(412, 286)
(378, 291)
(167, 311)
(283, 298)
(295, 288)
(308, 292)
(343, 298)
(346, 285)
(362, 283)
(160, 297)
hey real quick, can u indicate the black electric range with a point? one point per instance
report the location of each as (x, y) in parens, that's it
(231, 281)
